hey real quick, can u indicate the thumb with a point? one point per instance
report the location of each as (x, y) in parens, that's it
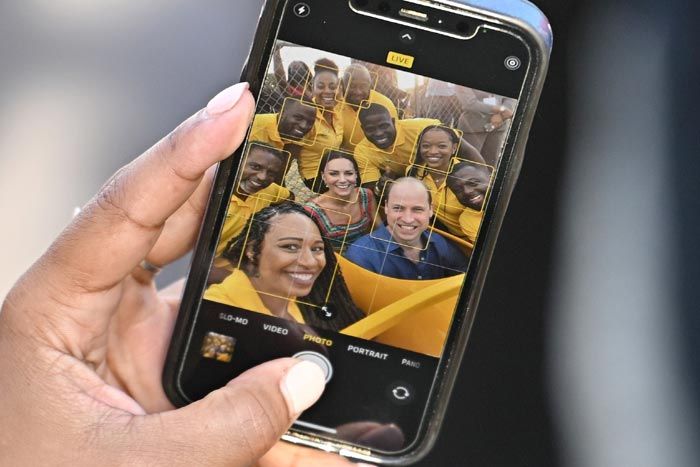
(232, 426)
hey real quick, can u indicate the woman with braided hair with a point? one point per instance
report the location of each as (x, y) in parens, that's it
(285, 268)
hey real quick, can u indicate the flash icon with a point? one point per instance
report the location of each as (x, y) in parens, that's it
(302, 10)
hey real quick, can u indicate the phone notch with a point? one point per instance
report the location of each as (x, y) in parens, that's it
(422, 15)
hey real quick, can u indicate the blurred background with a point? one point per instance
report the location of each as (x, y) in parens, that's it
(586, 348)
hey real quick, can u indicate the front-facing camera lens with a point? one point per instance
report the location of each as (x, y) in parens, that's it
(463, 27)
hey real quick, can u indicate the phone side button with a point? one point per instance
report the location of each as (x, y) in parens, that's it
(319, 360)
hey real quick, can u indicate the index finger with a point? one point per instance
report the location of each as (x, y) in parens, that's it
(120, 225)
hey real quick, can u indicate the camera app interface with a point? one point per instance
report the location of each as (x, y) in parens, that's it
(347, 238)
(361, 187)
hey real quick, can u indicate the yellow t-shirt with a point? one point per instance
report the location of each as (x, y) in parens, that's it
(265, 131)
(461, 221)
(324, 136)
(373, 161)
(239, 211)
(470, 222)
(352, 130)
(237, 290)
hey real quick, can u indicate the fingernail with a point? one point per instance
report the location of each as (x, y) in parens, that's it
(302, 386)
(226, 99)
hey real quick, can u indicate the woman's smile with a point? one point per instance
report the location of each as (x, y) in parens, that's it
(292, 257)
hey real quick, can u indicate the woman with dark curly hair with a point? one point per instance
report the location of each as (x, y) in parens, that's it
(285, 268)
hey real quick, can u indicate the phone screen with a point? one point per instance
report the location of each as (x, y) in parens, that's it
(355, 215)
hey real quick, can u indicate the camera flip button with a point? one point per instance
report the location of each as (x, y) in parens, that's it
(400, 393)
(319, 360)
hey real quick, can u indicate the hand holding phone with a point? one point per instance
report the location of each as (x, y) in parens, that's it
(83, 334)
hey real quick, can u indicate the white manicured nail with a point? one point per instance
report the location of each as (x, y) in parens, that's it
(226, 99)
(302, 386)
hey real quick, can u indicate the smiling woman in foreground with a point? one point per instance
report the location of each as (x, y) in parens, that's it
(285, 268)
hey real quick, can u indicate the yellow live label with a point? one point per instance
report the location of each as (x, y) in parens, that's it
(395, 58)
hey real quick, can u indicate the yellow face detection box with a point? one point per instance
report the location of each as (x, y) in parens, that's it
(395, 58)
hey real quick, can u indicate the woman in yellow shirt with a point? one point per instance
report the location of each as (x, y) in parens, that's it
(436, 148)
(435, 161)
(285, 268)
(328, 129)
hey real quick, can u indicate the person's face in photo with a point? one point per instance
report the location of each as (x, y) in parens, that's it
(357, 85)
(437, 149)
(296, 119)
(470, 185)
(291, 258)
(380, 129)
(408, 213)
(261, 169)
(340, 177)
(325, 89)
(299, 74)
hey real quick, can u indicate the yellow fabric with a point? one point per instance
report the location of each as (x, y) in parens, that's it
(373, 160)
(420, 322)
(324, 137)
(352, 131)
(239, 211)
(450, 212)
(459, 242)
(470, 223)
(237, 290)
(265, 130)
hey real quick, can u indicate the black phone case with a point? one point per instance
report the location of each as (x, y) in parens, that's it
(517, 17)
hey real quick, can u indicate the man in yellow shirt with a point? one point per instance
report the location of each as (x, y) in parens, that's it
(328, 134)
(257, 187)
(389, 145)
(356, 88)
(291, 126)
(468, 187)
(301, 129)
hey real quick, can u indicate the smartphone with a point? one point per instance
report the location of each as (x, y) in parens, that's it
(355, 226)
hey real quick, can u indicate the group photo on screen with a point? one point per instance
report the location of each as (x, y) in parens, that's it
(359, 198)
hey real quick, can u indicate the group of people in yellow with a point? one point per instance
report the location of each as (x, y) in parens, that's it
(400, 198)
